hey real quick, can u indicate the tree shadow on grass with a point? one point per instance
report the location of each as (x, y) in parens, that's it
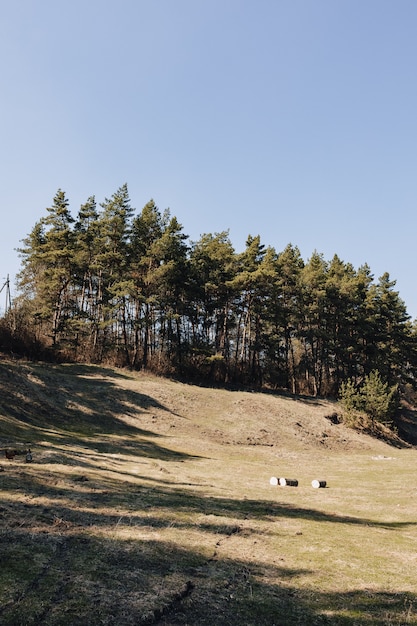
(63, 398)
(63, 569)
(73, 405)
(101, 500)
(73, 578)
(90, 453)
(91, 551)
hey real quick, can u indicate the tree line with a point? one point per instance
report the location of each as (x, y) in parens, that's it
(116, 286)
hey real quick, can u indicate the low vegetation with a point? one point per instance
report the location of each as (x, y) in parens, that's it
(373, 398)
(148, 501)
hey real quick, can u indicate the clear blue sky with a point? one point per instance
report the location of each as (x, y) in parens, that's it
(292, 119)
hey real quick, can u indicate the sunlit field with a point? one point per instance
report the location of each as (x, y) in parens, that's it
(150, 502)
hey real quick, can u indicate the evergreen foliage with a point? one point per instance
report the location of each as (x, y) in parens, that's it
(129, 288)
(373, 397)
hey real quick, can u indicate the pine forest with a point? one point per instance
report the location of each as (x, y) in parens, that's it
(128, 288)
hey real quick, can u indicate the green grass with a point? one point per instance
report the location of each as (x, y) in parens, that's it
(148, 502)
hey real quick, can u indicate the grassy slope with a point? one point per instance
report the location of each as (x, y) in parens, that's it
(148, 502)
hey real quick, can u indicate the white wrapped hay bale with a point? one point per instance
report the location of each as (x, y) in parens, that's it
(318, 484)
(288, 482)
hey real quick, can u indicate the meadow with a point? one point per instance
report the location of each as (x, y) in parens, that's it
(148, 501)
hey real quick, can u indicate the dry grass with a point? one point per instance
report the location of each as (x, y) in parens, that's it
(149, 502)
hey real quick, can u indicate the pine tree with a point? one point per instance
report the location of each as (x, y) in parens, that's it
(146, 258)
(87, 251)
(253, 281)
(113, 280)
(169, 282)
(287, 313)
(212, 267)
(388, 331)
(374, 397)
(313, 331)
(378, 400)
(48, 267)
(345, 296)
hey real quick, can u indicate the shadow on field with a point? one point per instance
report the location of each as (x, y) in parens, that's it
(82, 539)
(80, 401)
(77, 405)
(89, 501)
(66, 577)
(92, 551)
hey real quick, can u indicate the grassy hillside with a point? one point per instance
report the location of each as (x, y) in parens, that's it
(149, 502)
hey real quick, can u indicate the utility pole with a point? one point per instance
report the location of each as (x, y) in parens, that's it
(8, 297)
